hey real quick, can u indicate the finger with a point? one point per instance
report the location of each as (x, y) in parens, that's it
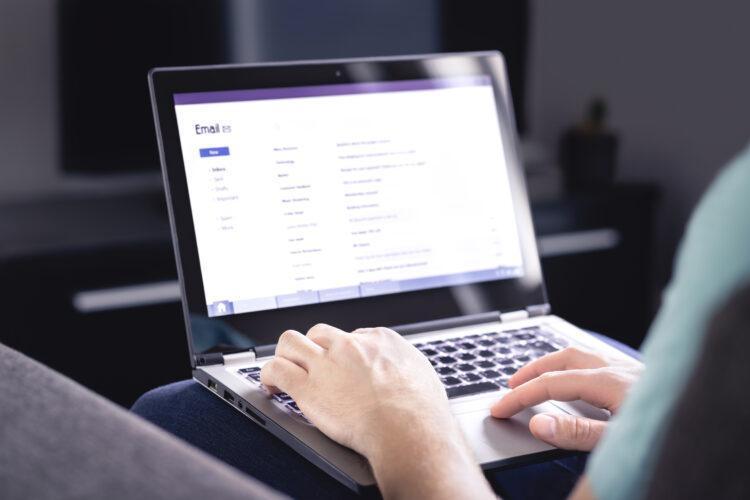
(589, 385)
(324, 335)
(297, 348)
(566, 431)
(280, 374)
(567, 359)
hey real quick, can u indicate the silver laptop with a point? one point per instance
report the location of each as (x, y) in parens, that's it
(362, 192)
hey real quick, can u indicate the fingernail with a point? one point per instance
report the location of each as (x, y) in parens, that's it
(545, 426)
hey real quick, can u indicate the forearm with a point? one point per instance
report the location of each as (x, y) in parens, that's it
(428, 463)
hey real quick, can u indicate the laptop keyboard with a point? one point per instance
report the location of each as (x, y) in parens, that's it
(484, 362)
(469, 364)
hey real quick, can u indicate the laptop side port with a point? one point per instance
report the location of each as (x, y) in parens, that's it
(228, 396)
(255, 416)
(211, 384)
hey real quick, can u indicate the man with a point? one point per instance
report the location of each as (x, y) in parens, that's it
(360, 387)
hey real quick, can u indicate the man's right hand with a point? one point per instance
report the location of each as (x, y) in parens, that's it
(373, 391)
(569, 375)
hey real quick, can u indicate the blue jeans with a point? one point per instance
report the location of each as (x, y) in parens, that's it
(200, 418)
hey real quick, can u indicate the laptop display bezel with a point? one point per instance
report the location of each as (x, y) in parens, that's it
(396, 309)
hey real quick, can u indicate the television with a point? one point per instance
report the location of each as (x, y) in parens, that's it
(105, 49)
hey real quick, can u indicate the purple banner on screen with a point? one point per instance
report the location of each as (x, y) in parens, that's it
(329, 90)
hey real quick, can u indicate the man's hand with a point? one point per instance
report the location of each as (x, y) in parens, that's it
(374, 392)
(568, 375)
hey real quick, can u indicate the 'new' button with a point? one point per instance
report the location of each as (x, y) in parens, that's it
(210, 152)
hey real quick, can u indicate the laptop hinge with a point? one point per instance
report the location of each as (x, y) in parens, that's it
(509, 316)
(216, 358)
(539, 310)
(529, 312)
(240, 357)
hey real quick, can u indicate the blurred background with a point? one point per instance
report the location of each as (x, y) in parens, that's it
(626, 111)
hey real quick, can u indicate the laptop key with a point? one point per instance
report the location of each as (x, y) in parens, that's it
(486, 354)
(445, 370)
(465, 390)
(485, 364)
(491, 374)
(486, 342)
(293, 406)
(448, 348)
(543, 346)
(466, 367)
(282, 397)
(447, 360)
(451, 381)
(471, 377)
(506, 361)
(466, 356)
(467, 345)
(509, 370)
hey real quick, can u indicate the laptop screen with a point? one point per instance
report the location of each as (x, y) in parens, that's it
(305, 195)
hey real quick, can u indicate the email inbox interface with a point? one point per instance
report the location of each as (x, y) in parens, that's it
(366, 190)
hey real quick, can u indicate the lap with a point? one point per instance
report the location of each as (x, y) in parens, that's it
(192, 413)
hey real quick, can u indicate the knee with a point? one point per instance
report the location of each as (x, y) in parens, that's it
(164, 399)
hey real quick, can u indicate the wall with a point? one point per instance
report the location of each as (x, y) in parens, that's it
(676, 74)
(27, 116)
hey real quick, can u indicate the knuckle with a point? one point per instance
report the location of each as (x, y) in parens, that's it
(268, 370)
(581, 429)
(286, 336)
(388, 332)
(317, 328)
(347, 342)
(572, 352)
(547, 377)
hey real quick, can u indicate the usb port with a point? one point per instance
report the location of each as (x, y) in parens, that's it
(228, 396)
(211, 385)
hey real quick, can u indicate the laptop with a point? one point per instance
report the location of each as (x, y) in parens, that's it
(359, 192)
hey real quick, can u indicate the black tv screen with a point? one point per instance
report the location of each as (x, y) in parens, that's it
(105, 51)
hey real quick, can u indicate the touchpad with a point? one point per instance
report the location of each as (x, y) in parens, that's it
(495, 439)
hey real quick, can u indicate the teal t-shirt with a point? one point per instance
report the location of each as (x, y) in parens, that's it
(713, 261)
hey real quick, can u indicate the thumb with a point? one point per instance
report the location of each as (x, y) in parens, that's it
(566, 431)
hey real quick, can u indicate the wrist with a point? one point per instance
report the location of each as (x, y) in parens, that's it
(426, 459)
(393, 430)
